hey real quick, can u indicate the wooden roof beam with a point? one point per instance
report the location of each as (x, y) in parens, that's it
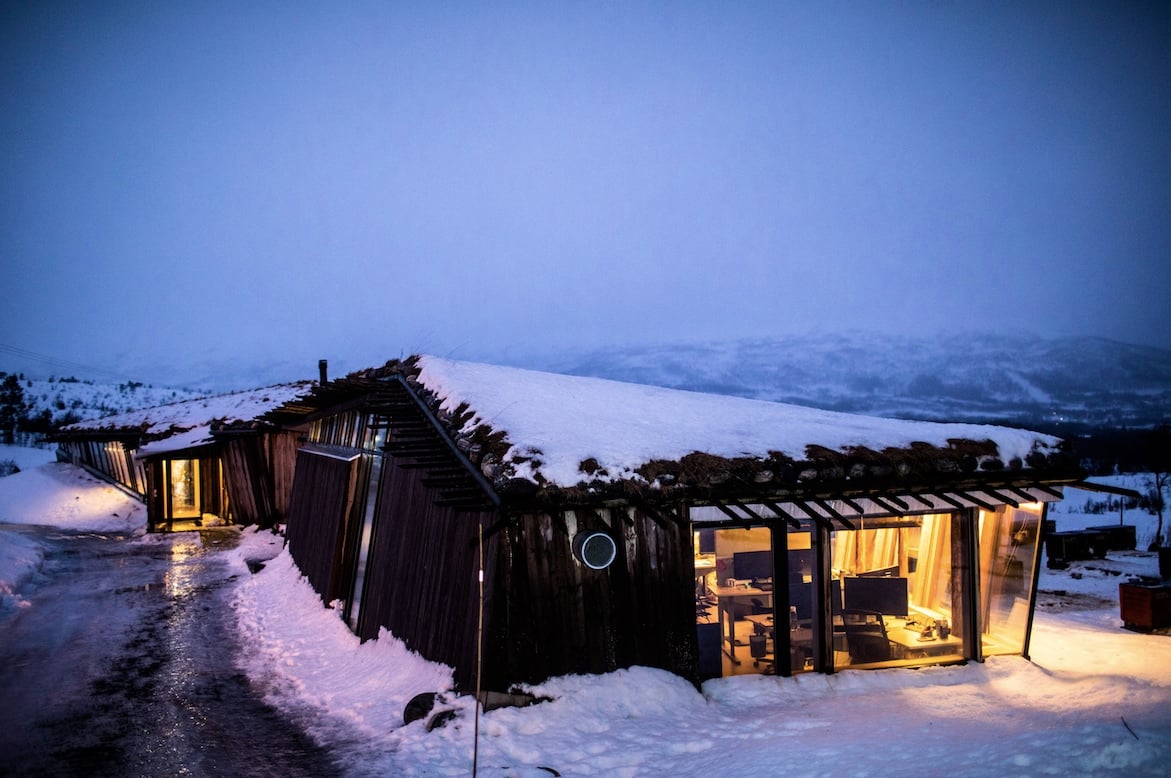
(1025, 496)
(853, 505)
(902, 505)
(732, 515)
(990, 507)
(948, 500)
(919, 499)
(825, 506)
(822, 520)
(777, 509)
(1002, 497)
(886, 506)
(751, 513)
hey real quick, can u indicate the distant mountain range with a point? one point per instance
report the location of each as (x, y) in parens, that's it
(1060, 385)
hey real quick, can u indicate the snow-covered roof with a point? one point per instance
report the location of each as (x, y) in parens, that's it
(563, 429)
(186, 424)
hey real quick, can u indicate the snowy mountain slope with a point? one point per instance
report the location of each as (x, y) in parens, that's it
(1014, 379)
(1060, 384)
(71, 399)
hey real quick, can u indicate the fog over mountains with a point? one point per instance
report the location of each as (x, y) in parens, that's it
(1054, 384)
(1060, 385)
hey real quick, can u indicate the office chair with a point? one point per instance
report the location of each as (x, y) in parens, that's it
(764, 634)
(866, 636)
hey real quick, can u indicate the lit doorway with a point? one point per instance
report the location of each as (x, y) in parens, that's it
(184, 493)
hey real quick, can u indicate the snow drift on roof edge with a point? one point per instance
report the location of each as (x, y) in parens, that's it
(161, 420)
(561, 429)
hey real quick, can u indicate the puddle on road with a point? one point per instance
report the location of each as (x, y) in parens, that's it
(163, 696)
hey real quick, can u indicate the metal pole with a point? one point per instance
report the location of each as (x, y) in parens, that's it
(479, 648)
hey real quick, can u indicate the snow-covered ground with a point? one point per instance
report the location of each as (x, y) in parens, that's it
(87, 399)
(1094, 700)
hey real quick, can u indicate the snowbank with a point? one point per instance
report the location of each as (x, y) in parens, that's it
(1095, 700)
(19, 558)
(58, 495)
(305, 654)
(27, 458)
(66, 496)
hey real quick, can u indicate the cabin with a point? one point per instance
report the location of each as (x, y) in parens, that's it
(517, 525)
(197, 462)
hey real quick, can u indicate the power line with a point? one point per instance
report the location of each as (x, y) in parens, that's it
(55, 362)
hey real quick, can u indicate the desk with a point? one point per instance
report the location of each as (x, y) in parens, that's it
(800, 642)
(703, 566)
(909, 640)
(726, 598)
(800, 638)
(763, 624)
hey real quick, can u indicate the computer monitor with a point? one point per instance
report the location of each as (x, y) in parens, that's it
(801, 563)
(801, 597)
(747, 565)
(887, 596)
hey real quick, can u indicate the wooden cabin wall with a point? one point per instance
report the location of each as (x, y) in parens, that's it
(551, 615)
(249, 485)
(211, 497)
(421, 582)
(322, 493)
(156, 499)
(280, 448)
(108, 459)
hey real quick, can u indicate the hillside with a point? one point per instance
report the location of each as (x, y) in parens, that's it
(1065, 384)
(71, 399)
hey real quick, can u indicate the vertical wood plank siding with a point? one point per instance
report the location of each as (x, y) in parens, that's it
(247, 479)
(210, 492)
(281, 451)
(156, 503)
(421, 579)
(320, 502)
(552, 615)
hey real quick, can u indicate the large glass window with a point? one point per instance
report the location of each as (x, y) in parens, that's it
(734, 601)
(896, 585)
(1008, 550)
(894, 591)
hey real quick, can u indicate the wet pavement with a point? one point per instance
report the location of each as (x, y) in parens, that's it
(122, 665)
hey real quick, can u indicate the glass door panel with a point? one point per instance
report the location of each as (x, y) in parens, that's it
(184, 488)
(734, 601)
(1008, 549)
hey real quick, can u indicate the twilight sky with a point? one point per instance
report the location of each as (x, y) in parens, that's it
(257, 181)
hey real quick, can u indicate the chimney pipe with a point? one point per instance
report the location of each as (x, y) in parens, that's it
(323, 370)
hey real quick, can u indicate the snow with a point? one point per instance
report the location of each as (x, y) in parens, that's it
(25, 457)
(62, 495)
(1095, 700)
(179, 441)
(183, 416)
(563, 420)
(88, 399)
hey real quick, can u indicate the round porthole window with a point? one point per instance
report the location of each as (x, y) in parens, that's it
(594, 549)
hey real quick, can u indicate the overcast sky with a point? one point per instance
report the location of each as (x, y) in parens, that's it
(280, 180)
